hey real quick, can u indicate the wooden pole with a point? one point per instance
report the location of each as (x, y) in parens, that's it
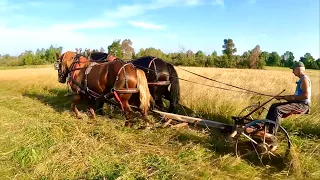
(197, 121)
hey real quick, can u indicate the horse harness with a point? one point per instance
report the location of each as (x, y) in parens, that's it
(92, 95)
(161, 83)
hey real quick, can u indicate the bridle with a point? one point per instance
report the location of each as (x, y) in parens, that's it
(57, 66)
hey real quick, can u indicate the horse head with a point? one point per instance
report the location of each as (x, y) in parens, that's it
(63, 65)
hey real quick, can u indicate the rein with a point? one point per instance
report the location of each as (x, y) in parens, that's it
(227, 83)
(245, 90)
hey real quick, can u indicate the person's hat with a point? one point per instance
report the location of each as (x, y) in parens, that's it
(297, 64)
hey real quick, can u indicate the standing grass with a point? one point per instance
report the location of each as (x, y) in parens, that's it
(41, 139)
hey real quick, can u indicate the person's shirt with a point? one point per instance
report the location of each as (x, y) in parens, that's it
(299, 90)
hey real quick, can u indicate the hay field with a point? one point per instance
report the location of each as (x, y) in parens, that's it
(41, 139)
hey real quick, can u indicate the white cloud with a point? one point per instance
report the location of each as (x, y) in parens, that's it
(218, 2)
(6, 7)
(192, 2)
(22, 37)
(126, 11)
(90, 24)
(145, 25)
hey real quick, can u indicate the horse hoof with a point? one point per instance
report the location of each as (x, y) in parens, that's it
(79, 117)
(128, 124)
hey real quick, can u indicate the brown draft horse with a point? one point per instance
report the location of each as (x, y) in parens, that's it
(102, 81)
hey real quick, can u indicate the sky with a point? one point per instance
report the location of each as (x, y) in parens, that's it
(169, 25)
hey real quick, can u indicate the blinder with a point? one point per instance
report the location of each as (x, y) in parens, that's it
(57, 64)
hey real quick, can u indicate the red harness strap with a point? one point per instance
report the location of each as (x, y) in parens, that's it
(118, 98)
(115, 91)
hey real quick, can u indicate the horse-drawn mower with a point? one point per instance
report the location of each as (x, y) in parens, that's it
(248, 132)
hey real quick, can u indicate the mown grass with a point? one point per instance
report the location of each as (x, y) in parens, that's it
(41, 139)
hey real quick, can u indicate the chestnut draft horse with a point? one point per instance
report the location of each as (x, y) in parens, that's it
(160, 75)
(101, 81)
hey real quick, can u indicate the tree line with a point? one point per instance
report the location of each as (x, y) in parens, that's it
(253, 59)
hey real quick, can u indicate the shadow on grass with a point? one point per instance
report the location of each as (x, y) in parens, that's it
(216, 142)
(56, 99)
(219, 143)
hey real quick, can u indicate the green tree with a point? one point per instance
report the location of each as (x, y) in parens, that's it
(318, 63)
(246, 54)
(140, 53)
(127, 49)
(210, 60)
(115, 48)
(308, 60)
(200, 58)
(37, 58)
(274, 59)
(229, 48)
(287, 59)
(254, 58)
(27, 58)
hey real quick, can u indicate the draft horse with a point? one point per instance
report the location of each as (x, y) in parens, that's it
(101, 81)
(160, 76)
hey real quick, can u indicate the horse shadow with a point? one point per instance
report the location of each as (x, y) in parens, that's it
(58, 100)
(55, 99)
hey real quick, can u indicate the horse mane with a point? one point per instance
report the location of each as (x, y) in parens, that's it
(98, 56)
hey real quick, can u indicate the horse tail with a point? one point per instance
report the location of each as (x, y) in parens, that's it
(144, 93)
(175, 86)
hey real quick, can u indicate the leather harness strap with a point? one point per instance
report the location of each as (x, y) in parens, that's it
(154, 64)
(92, 94)
(159, 83)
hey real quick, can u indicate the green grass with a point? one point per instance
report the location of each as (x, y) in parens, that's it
(41, 139)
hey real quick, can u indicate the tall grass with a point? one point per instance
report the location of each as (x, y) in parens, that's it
(41, 139)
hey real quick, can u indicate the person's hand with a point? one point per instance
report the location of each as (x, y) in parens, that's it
(287, 98)
(279, 97)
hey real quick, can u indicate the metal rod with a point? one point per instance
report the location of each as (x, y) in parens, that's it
(261, 105)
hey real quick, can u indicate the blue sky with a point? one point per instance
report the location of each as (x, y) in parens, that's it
(275, 25)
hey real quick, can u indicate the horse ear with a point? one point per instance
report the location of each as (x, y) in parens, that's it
(57, 55)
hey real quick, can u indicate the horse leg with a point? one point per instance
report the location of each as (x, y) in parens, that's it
(144, 115)
(99, 109)
(127, 112)
(167, 95)
(76, 99)
(91, 109)
(158, 98)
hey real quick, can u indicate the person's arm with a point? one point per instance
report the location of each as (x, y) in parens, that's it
(305, 92)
